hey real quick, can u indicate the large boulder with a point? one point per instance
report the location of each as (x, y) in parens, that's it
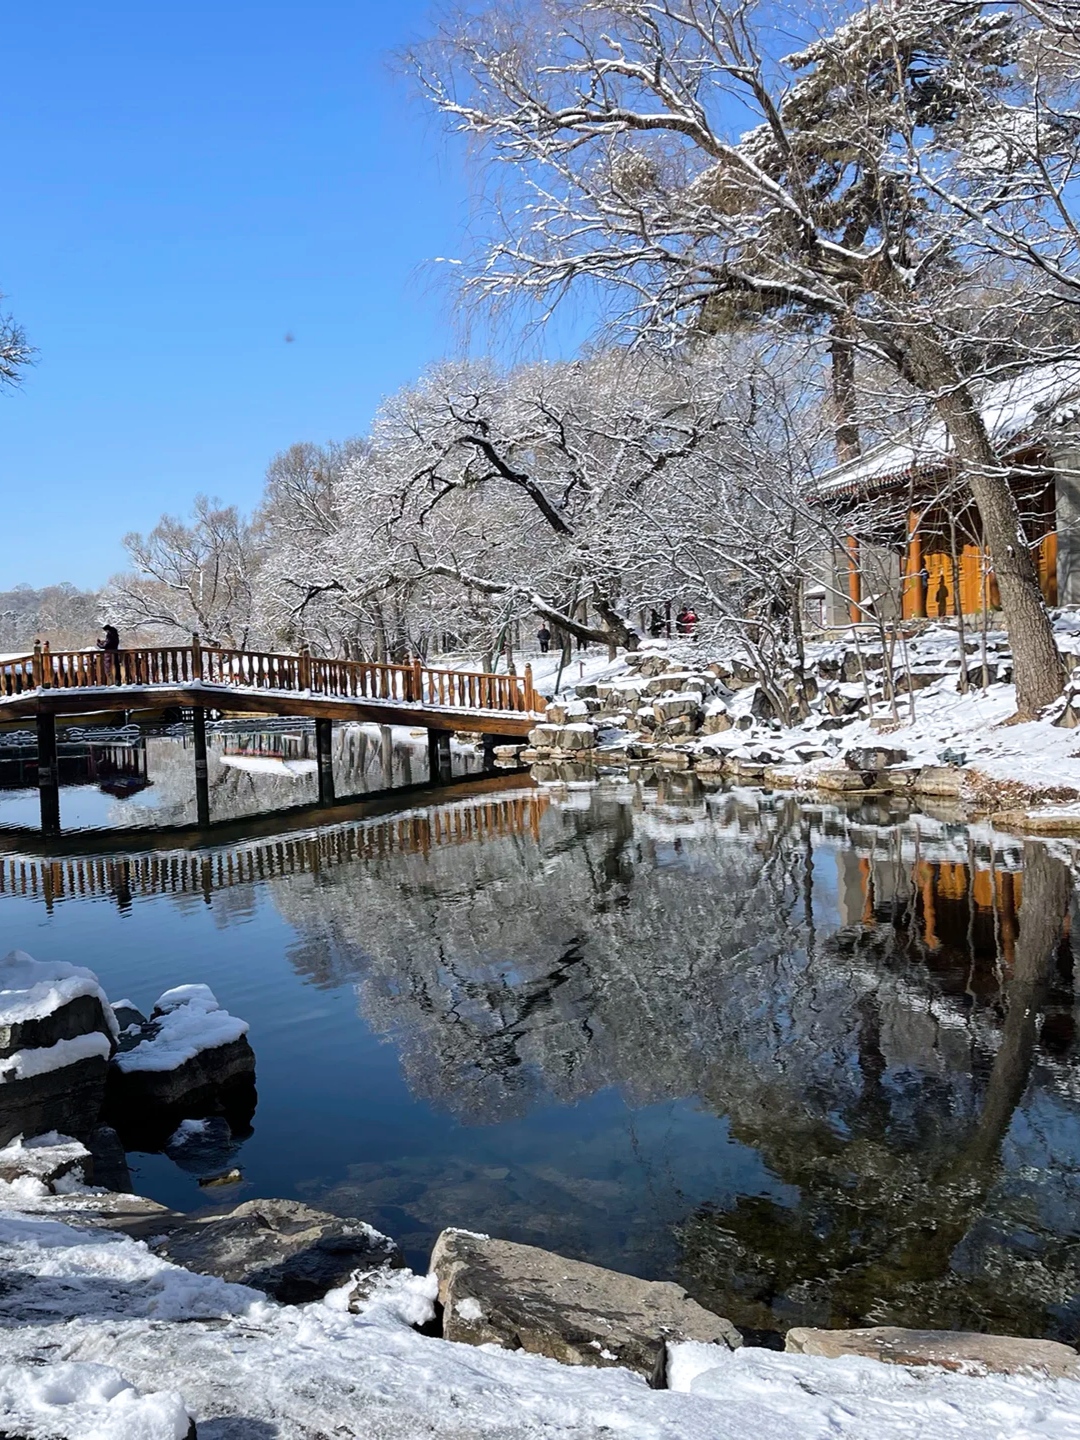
(673, 707)
(523, 1298)
(717, 718)
(57, 1032)
(944, 780)
(191, 1056)
(952, 1349)
(290, 1251)
(563, 737)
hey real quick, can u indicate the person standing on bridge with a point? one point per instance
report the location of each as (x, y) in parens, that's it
(544, 636)
(110, 644)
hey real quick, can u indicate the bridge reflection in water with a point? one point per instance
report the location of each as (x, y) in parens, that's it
(131, 877)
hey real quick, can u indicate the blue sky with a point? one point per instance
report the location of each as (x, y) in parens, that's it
(184, 186)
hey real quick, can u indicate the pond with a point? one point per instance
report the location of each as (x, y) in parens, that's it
(817, 1063)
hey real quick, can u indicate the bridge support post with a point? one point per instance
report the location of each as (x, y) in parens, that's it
(386, 754)
(324, 753)
(48, 775)
(202, 770)
(489, 742)
(440, 768)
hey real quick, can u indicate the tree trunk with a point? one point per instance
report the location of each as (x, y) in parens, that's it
(1037, 667)
(842, 364)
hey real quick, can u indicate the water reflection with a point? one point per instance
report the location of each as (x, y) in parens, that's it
(818, 1062)
(142, 778)
(857, 997)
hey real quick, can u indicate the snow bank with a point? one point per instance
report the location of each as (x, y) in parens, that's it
(31, 989)
(86, 1402)
(188, 1020)
(244, 1365)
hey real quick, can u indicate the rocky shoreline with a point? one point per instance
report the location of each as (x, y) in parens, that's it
(848, 727)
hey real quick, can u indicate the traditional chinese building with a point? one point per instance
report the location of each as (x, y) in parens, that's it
(914, 546)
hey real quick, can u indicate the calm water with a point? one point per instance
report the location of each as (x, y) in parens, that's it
(805, 1060)
(142, 778)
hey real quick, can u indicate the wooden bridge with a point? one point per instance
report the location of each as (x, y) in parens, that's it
(48, 684)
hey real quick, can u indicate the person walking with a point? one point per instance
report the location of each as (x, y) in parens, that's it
(110, 644)
(686, 620)
(544, 636)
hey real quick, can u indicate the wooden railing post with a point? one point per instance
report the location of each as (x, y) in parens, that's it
(530, 693)
(36, 666)
(46, 666)
(196, 656)
(417, 696)
(304, 667)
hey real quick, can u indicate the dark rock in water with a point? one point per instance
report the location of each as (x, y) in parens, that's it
(190, 1059)
(292, 1252)
(154, 1102)
(68, 1099)
(127, 1015)
(523, 1298)
(56, 1034)
(108, 1160)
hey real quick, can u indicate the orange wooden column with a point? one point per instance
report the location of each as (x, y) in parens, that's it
(913, 605)
(851, 544)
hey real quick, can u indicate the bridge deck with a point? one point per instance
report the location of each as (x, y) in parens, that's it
(253, 682)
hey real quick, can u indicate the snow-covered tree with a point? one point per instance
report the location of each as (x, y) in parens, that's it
(15, 351)
(669, 153)
(189, 576)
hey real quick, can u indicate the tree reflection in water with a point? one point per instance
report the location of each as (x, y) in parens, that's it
(882, 1007)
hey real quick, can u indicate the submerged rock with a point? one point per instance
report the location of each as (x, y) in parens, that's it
(292, 1252)
(963, 1350)
(523, 1298)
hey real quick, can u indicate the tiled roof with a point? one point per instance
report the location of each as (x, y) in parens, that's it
(1017, 409)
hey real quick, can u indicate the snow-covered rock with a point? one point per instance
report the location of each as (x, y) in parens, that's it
(247, 1367)
(57, 1031)
(42, 1002)
(86, 1401)
(188, 1053)
(52, 1163)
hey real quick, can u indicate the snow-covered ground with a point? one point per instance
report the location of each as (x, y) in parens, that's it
(1038, 755)
(249, 1369)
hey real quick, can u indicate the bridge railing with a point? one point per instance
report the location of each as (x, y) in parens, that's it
(17, 675)
(303, 673)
